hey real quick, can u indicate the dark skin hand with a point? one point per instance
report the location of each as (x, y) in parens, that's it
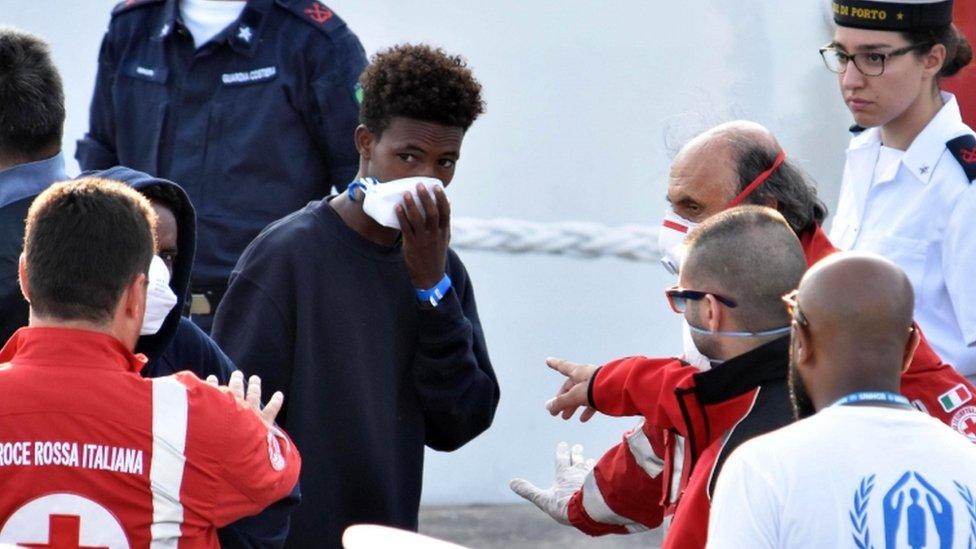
(425, 238)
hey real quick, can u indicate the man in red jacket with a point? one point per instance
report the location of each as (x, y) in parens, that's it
(735, 163)
(92, 454)
(739, 263)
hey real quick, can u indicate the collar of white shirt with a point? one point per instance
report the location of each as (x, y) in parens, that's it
(928, 147)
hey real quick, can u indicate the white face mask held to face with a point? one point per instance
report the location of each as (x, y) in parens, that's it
(381, 199)
(160, 298)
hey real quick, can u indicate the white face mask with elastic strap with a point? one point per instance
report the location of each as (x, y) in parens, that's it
(675, 229)
(697, 359)
(160, 298)
(691, 353)
(671, 240)
(381, 199)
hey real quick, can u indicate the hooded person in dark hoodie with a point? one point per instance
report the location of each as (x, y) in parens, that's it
(180, 345)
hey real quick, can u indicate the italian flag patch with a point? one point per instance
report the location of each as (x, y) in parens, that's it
(955, 397)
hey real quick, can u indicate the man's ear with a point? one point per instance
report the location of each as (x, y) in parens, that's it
(713, 314)
(364, 141)
(22, 277)
(802, 349)
(134, 297)
(910, 346)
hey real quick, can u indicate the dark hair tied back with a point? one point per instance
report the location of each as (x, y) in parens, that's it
(959, 52)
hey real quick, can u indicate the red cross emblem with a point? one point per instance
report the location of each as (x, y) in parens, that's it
(964, 421)
(968, 155)
(318, 13)
(64, 532)
(969, 427)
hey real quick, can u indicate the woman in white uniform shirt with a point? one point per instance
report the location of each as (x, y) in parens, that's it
(907, 191)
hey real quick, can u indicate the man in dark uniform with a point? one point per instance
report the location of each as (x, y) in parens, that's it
(251, 106)
(31, 124)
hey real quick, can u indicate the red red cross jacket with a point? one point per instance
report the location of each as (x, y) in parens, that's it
(668, 464)
(92, 455)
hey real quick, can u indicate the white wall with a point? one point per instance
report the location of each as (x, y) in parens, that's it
(581, 96)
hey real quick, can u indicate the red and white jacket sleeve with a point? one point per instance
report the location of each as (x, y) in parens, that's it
(623, 493)
(937, 388)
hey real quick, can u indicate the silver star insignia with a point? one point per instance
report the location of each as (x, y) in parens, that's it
(244, 33)
(165, 30)
(923, 170)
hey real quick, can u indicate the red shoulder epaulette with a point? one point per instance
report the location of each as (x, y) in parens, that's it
(963, 148)
(315, 13)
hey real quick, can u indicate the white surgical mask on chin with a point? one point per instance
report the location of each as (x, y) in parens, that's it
(671, 239)
(160, 298)
(691, 353)
(381, 199)
(694, 357)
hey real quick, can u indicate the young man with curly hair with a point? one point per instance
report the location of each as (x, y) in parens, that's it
(325, 305)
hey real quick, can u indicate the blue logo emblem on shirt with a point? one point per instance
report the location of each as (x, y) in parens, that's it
(915, 513)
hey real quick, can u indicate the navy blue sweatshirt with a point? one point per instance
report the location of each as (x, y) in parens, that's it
(332, 320)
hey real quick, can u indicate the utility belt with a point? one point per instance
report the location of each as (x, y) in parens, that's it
(204, 300)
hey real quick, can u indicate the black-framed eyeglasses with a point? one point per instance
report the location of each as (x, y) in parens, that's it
(793, 308)
(870, 63)
(678, 298)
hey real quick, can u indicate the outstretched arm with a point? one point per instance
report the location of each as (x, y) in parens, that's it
(620, 494)
(629, 386)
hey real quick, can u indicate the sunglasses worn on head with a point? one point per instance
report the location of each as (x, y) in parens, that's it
(678, 298)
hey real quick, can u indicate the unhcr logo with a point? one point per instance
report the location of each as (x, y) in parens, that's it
(913, 510)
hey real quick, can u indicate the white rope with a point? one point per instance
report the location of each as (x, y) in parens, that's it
(578, 239)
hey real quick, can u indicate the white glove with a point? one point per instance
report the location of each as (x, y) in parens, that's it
(571, 471)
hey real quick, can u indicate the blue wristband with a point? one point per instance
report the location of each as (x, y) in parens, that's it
(435, 294)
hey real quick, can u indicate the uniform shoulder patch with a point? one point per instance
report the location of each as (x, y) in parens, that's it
(964, 149)
(127, 5)
(315, 13)
(855, 129)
